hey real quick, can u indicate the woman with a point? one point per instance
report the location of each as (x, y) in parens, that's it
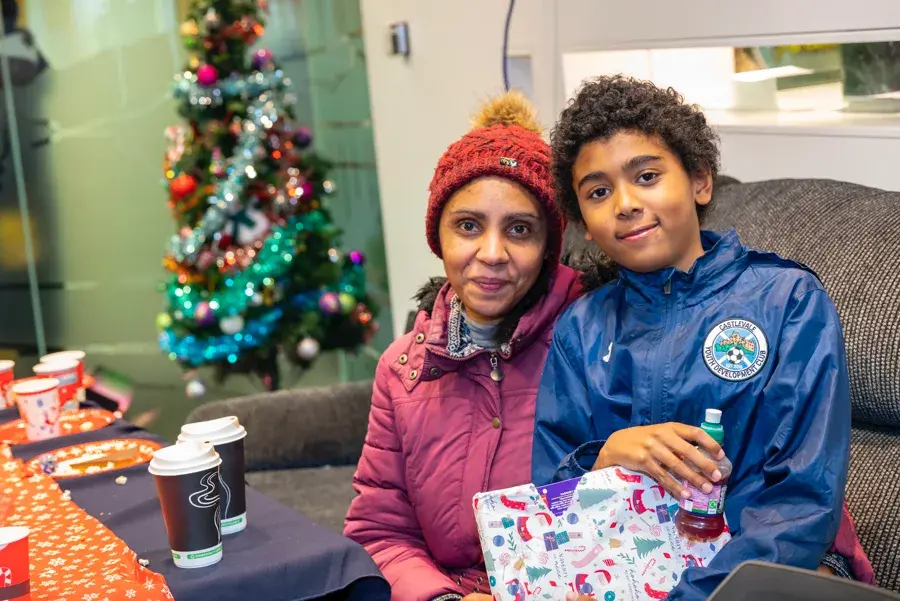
(453, 404)
(454, 399)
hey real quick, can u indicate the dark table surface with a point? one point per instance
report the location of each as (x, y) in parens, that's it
(280, 556)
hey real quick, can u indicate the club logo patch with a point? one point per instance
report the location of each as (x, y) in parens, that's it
(735, 350)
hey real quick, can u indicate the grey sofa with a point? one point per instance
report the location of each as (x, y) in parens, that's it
(302, 444)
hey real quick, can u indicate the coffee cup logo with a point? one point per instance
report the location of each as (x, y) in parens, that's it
(208, 496)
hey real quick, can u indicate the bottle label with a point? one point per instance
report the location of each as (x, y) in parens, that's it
(701, 503)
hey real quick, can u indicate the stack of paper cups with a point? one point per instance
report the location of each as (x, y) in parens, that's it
(187, 483)
(6, 379)
(227, 434)
(66, 371)
(75, 356)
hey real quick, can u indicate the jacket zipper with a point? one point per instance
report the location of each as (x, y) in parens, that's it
(662, 352)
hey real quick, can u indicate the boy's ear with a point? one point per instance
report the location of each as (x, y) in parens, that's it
(702, 184)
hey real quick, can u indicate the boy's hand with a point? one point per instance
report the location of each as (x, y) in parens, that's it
(662, 448)
(482, 597)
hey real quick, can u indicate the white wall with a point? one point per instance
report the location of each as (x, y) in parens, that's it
(421, 105)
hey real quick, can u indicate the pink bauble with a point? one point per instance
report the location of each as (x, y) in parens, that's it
(203, 314)
(207, 75)
(307, 190)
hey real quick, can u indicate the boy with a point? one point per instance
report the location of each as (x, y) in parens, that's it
(695, 321)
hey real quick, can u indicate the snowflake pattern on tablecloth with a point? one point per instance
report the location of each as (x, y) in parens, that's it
(72, 555)
(612, 538)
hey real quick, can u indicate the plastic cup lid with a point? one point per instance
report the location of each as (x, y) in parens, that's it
(184, 458)
(55, 366)
(11, 534)
(35, 386)
(217, 431)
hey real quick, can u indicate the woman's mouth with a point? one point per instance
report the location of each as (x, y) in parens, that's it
(638, 233)
(489, 285)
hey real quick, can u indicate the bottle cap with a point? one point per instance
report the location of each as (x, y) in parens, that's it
(713, 416)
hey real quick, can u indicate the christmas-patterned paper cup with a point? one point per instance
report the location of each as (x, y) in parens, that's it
(38, 401)
(66, 371)
(76, 356)
(227, 435)
(15, 582)
(6, 378)
(187, 483)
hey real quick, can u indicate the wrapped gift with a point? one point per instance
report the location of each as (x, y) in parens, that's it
(610, 535)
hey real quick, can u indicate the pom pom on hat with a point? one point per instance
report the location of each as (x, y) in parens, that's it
(505, 141)
(512, 108)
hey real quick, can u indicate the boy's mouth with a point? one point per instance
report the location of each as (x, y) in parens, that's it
(637, 233)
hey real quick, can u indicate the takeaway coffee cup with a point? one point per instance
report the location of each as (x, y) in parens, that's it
(187, 483)
(227, 435)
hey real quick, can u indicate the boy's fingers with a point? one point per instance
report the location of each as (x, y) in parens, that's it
(667, 482)
(689, 453)
(701, 438)
(669, 460)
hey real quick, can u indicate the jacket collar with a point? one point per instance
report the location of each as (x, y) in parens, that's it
(724, 258)
(564, 288)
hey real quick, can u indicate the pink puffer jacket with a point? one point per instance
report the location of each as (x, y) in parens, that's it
(441, 430)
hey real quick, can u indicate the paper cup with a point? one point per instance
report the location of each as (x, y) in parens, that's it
(38, 401)
(15, 582)
(66, 371)
(75, 356)
(187, 483)
(6, 378)
(227, 435)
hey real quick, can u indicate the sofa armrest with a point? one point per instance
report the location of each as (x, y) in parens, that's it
(301, 427)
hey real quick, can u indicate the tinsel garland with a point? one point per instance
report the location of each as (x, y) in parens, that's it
(197, 351)
(262, 115)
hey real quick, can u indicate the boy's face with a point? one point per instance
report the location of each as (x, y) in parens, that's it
(638, 202)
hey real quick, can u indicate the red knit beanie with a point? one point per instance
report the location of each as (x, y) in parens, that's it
(505, 141)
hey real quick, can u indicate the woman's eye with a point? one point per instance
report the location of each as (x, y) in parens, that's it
(599, 193)
(646, 178)
(468, 226)
(520, 230)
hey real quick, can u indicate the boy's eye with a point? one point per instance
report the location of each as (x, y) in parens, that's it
(647, 177)
(599, 193)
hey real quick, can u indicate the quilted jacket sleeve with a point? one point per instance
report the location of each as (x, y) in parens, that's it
(381, 517)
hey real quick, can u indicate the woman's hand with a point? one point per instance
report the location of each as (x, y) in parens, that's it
(663, 448)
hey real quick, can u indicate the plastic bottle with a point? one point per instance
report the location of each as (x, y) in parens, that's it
(701, 516)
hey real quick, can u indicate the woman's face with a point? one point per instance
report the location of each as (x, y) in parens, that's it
(494, 241)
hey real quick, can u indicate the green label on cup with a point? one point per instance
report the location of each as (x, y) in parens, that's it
(176, 555)
(207, 553)
(232, 521)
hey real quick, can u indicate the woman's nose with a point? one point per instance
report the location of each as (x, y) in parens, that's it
(493, 249)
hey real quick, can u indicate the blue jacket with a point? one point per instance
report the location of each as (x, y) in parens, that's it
(744, 331)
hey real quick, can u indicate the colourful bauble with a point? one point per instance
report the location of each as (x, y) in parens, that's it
(330, 304)
(183, 186)
(328, 186)
(189, 28)
(195, 389)
(357, 257)
(212, 20)
(163, 321)
(232, 324)
(207, 75)
(348, 302)
(306, 190)
(262, 58)
(303, 137)
(308, 349)
(203, 314)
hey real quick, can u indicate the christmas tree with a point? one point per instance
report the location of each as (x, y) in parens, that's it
(646, 545)
(256, 266)
(588, 497)
(535, 573)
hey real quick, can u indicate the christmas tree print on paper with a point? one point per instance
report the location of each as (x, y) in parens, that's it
(488, 562)
(646, 545)
(588, 497)
(256, 269)
(535, 573)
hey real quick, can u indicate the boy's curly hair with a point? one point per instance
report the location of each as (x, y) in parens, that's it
(607, 105)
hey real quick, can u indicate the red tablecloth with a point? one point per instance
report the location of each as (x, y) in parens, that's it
(73, 557)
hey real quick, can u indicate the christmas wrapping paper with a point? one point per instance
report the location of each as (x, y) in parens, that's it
(609, 535)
